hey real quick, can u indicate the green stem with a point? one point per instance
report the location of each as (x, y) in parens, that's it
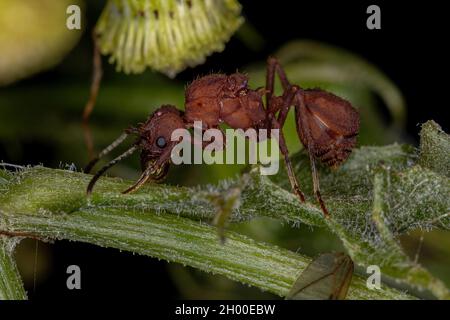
(39, 204)
(65, 191)
(11, 286)
(181, 240)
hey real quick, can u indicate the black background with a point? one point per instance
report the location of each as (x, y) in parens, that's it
(410, 49)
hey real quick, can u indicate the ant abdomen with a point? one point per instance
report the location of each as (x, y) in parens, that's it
(328, 126)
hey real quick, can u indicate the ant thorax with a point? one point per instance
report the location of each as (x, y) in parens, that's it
(220, 98)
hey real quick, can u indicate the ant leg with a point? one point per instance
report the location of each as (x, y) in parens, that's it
(273, 66)
(288, 98)
(109, 165)
(273, 104)
(97, 74)
(300, 106)
(105, 151)
(290, 171)
(315, 178)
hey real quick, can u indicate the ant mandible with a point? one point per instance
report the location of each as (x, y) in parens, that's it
(327, 125)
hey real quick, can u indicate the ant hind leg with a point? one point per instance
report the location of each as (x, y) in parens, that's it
(315, 179)
(283, 105)
(274, 67)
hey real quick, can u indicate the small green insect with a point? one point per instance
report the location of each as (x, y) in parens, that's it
(327, 277)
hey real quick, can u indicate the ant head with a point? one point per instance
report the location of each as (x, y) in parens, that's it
(155, 138)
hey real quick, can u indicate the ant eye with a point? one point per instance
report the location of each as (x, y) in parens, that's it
(161, 142)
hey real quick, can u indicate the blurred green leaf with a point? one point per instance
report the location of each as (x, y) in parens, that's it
(435, 148)
(327, 277)
(33, 36)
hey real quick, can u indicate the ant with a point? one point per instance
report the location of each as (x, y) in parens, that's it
(327, 125)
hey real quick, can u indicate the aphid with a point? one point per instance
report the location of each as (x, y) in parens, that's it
(326, 124)
(327, 277)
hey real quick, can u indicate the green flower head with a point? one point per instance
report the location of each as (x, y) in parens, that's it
(165, 35)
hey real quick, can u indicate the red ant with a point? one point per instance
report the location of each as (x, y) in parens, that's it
(327, 125)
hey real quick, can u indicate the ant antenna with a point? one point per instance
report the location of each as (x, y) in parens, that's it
(105, 151)
(94, 179)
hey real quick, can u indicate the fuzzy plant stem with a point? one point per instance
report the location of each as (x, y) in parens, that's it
(11, 286)
(38, 203)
